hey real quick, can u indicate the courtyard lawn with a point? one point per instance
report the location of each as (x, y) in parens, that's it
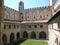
(32, 42)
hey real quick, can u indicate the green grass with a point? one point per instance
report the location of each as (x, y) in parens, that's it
(33, 42)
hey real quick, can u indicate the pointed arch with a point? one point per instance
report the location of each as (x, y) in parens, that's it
(42, 35)
(25, 34)
(4, 39)
(33, 35)
(12, 37)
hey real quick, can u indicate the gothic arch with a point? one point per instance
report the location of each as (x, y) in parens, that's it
(42, 35)
(12, 37)
(4, 39)
(25, 34)
(18, 35)
(33, 35)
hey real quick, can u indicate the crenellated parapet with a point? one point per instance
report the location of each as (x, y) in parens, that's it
(6, 7)
(46, 7)
(11, 14)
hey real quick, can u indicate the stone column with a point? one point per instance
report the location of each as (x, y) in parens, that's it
(1, 19)
(21, 34)
(37, 35)
(29, 35)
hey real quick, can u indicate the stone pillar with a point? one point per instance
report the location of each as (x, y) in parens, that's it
(8, 39)
(1, 19)
(15, 36)
(37, 35)
(21, 34)
(29, 35)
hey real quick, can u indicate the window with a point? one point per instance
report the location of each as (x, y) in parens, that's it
(7, 16)
(34, 16)
(22, 17)
(58, 24)
(21, 13)
(21, 3)
(56, 41)
(41, 26)
(4, 26)
(29, 26)
(47, 15)
(9, 26)
(40, 16)
(14, 26)
(35, 26)
(28, 16)
(17, 26)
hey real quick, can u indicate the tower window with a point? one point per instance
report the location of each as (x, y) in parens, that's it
(21, 13)
(21, 3)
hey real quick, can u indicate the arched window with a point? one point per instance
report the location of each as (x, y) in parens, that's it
(11, 37)
(25, 34)
(42, 35)
(33, 35)
(4, 39)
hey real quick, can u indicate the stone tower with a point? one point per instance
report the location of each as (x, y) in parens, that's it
(21, 7)
(1, 19)
(21, 10)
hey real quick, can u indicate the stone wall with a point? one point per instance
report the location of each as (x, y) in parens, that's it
(54, 31)
(11, 14)
(37, 14)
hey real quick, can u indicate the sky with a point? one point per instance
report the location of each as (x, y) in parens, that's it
(27, 3)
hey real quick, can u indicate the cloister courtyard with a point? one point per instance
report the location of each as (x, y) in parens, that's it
(33, 26)
(31, 42)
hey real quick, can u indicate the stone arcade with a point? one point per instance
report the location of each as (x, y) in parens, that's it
(30, 23)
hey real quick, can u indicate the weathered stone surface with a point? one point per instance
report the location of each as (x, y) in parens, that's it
(1, 19)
